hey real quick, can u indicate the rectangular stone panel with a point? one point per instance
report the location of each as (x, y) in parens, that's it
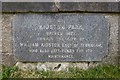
(60, 37)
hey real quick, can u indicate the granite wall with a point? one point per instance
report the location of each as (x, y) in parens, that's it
(11, 10)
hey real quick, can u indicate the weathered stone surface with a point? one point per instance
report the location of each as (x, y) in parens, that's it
(62, 67)
(63, 6)
(26, 66)
(113, 23)
(92, 65)
(0, 27)
(119, 39)
(83, 36)
(82, 65)
(28, 7)
(89, 6)
(112, 57)
(6, 33)
(53, 66)
(8, 59)
(57, 66)
(113, 60)
(60, 0)
(41, 67)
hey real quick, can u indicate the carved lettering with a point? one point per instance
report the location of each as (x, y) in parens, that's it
(60, 37)
(60, 56)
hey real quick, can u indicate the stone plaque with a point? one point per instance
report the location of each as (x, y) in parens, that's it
(60, 37)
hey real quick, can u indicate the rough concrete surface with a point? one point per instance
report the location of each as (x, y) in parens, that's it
(6, 33)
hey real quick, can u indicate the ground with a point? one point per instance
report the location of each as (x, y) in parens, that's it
(103, 71)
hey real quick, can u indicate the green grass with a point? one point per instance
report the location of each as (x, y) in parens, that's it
(105, 71)
(7, 71)
(0, 72)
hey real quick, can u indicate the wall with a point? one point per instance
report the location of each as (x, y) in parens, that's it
(10, 10)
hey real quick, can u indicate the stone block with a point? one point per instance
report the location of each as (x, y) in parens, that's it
(60, 37)
(28, 7)
(8, 59)
(7, 33)
(89, 6)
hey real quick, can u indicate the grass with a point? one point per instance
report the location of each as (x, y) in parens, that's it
(7, 71)
(0, 72)
(104, 71)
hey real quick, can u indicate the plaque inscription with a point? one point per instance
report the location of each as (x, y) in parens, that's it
(60, 37)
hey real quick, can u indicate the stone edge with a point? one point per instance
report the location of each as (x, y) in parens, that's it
(0, 40)
(60, 7)
(119, 41)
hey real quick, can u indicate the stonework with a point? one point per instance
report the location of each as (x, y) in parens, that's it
(61, 6)
(112, 57)
(9, 59)
(6, 33)
(60, 37)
